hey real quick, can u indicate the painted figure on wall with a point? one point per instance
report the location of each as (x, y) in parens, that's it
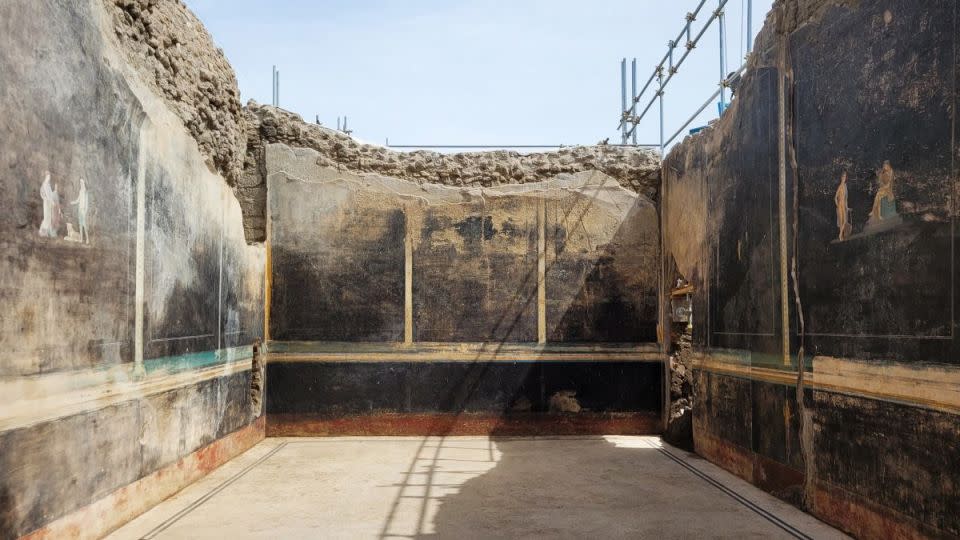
(843, 211)
(884, 203)
(51, 208)
(82, 203)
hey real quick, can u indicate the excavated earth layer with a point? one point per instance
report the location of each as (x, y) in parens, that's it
(633, 168)
(173, 52)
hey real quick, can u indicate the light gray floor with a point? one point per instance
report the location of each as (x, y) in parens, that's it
(471, 487)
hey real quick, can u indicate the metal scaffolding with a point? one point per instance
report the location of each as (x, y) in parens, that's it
(669, 66)
(276, 87)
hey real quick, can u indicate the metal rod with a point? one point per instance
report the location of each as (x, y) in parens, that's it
(723, 59)
(633, 92)
(660, 93)
(623, 100)
(749, 26)
(273, 86)
(694, 117)
(646, 145)
(646, 85)
(702, 107)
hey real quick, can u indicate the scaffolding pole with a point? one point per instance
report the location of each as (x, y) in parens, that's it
(705, 105)
(660, 95)
(723, 58)
(276, 87)
(623, 99)
(633, 92)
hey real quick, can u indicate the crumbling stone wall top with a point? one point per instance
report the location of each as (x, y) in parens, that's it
(635, 169)
(173, 53)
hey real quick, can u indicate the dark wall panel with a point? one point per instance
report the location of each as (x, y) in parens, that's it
(776, 423)
(185, 318)
(475, 271)
(242, 298)
(899, 456)
(723, 407)
(886, 287)
(53, 468)
(352, 388)
(743, 202)
(67, 303)
(601, 281)
(338, 263)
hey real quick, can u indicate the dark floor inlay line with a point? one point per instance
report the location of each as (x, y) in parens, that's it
(195, 504)
(772, 518)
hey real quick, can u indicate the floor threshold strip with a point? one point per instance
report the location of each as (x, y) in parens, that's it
(195, 504)
(772, 518)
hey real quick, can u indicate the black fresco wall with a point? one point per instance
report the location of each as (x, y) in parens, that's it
(883, 291)
(871, 187)
(339, 246)
(855, 451)
(475, 272)
(744, 206)
(67, 303)
(77, 132)
(50, 469)
(601, 283)
(338, 264)
(889, 291)
(346, 388)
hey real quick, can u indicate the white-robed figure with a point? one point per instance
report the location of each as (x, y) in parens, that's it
(51, 208)
(83, 203)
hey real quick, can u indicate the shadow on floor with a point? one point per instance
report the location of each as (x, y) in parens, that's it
(551, 488)
(576, 487)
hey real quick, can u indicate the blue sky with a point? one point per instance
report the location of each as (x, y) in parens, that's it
(469, 71)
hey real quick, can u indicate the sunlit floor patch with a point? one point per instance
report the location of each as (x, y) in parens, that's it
(471, 487)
